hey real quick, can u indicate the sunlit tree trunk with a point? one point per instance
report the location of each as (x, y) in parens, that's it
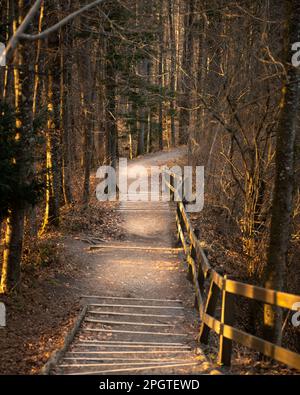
(53, 176)
(66, 108)
(39, 58)
(23, 84)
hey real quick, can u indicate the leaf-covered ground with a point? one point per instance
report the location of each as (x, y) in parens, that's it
(53, 278)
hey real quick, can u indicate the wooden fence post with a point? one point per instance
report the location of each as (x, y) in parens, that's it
(201, 277)
(172, 183)
(181, 223)
(227, 318)
(182, 191)
(210, 308)
(178, 214)
(192, 253)
(194, 256)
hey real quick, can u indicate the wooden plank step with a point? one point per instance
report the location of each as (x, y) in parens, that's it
(167, 366)
(117, 364)
(119, 342)
(83, 344)
(107, 359)
(160, 210)
(134, 352)
(127, 323)
(137, 248)
(135, 332)
(135, 299)
(137, 306)
(135, 314)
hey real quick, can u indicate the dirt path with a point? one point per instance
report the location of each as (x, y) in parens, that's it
(147, 269)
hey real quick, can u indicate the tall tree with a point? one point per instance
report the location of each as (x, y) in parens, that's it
(53, 152)
(282, 206)
(23, 87)
(186, 72)
(172, 4)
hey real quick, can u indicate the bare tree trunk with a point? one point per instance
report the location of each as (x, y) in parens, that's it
(7, 82)
(112, 128)
(53, 176)
(173, 69)
(32, 211)
(12, 255)
(141, 133)
(149, 121)
(160, 77)
(187, 64)
(88, 88)
(67, 115)
(275, 272)
(23, 82)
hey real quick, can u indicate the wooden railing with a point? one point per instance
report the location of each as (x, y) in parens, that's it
(201, 274)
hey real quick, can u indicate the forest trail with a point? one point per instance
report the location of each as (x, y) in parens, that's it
(146, 323)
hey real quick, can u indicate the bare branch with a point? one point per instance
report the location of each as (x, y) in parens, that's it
(19, 34)
(12, 43)
(52, 29)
